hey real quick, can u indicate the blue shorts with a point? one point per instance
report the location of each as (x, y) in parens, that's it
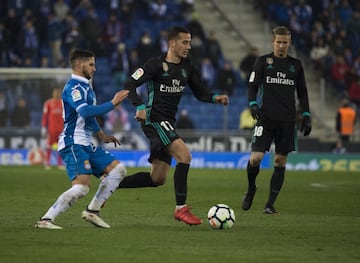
(80, 159)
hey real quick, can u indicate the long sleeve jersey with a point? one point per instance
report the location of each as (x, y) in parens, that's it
(80, 109)
(277, 80)
(166, 83)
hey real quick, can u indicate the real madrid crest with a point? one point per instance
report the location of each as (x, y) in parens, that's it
(269, 61)
(292, 68)
(183, 73)
(165, 66)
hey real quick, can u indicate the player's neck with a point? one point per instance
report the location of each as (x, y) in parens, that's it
(277, 55)
(171, 58)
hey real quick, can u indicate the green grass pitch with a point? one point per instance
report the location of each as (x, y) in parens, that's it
(319, 220)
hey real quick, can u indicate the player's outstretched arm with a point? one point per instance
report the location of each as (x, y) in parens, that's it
(96, 110)
(119, 97)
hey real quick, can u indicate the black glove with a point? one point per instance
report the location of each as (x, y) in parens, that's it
(306, 125)
(255, 111)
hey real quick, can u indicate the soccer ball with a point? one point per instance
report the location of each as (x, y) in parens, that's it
(221, 216)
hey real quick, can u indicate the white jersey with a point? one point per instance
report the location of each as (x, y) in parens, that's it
(77, 93)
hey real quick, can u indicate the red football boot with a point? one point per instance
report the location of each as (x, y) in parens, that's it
(184, 214)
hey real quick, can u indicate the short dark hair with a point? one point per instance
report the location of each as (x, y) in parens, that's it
(80, 54)
(174, 32)
(281, 30)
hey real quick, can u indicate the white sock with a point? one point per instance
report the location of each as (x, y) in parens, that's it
(66, 200)
(107, 186)
(179, 207)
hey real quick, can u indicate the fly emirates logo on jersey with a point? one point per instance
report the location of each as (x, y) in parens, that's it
(175, 88)
(280, 79)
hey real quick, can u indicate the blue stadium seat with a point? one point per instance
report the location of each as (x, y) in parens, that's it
(35, 119)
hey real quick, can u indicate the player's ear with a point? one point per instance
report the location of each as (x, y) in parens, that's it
(77, 63)
(171, 43)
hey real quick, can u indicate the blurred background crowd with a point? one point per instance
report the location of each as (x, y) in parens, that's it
(124, 33)
(327, 32)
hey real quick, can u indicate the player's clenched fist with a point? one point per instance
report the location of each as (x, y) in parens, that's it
(223, 99)
(119, 97)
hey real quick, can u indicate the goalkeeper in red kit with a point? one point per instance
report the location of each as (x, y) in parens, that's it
(52, 124)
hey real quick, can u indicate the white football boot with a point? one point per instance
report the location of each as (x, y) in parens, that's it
(94, 218)
(47, 224)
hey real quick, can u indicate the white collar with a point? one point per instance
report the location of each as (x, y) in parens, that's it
(80, 78)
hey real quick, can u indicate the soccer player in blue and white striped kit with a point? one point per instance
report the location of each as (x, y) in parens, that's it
(80, 156)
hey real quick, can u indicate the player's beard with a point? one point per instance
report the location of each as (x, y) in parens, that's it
(86, 74)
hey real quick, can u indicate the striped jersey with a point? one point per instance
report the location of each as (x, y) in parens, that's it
(77, 93)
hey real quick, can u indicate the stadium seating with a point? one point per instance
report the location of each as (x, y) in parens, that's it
(105, 87)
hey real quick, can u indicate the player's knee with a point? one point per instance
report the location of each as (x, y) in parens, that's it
(280, 161)
(158, 180)
(119, 171)
(255, 158)
(185, 158)
(188, 158)
(81, 190)
(255, 161)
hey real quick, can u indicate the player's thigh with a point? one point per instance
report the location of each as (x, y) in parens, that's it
(263, 135)
(160, 133)
(159, 138)
(101, 161)
(77, 161)
(179, 151)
